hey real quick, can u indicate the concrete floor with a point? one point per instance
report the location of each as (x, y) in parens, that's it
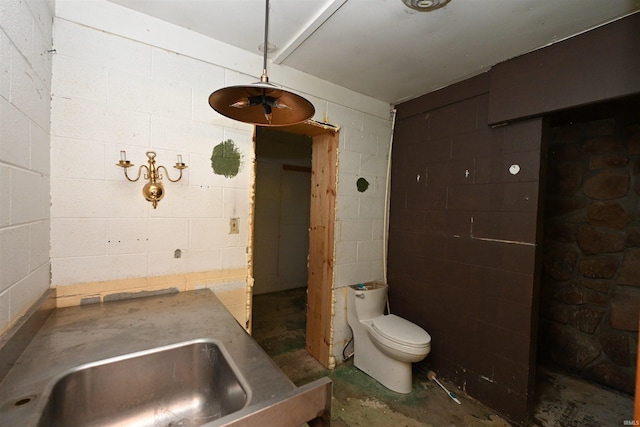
(359, 400)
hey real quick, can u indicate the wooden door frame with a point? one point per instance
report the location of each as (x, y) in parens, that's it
(324, 172)
(324, 160)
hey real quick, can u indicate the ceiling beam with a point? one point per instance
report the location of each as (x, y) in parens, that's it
(308, 29)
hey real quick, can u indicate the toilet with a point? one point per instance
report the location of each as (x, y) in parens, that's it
(385, 346)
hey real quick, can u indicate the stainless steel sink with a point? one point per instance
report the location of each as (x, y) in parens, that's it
(187, 384)
(166, 360)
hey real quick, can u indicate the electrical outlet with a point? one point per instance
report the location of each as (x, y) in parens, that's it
(234, 228)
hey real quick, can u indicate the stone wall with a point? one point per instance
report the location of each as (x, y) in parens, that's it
(590, 294)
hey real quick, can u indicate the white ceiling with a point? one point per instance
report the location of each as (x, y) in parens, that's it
(381, 48)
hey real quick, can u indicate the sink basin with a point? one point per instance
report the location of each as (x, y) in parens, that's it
(187, 384)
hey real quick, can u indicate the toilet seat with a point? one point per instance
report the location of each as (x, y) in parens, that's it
(401, 331)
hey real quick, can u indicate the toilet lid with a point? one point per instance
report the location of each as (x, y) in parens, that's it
(401, 331)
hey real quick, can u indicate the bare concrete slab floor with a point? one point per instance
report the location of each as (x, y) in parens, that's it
(359, 400)
(564, 401)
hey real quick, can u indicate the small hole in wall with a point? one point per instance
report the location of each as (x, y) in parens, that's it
(177, 253)
(362, 185)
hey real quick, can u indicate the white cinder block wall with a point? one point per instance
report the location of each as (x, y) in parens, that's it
(124, 81)
(360, 228)
(25, 87)
(112, 94)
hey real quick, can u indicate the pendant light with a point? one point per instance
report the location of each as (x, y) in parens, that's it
(262, 103)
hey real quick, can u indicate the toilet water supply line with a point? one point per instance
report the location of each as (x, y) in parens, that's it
(385, 225)
(387, 203)
(358, 295)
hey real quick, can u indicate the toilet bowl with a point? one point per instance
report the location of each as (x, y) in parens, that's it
(385, 346)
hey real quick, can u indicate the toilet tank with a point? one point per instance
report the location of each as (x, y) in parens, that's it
(368, 302)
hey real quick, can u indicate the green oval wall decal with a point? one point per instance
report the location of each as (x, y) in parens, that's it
(362, 185)
(226, 159)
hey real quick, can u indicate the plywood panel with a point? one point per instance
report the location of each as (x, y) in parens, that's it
(321, 246)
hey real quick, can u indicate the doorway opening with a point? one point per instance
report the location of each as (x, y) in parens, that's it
(281, 239)
(282, 211)
(293, 223)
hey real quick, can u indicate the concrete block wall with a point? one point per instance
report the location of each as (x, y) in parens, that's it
(110, 94)
(360, 227)
(125, 81)
(363, 154)
(25, 86)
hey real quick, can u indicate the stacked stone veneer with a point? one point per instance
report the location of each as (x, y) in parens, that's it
(591, 275)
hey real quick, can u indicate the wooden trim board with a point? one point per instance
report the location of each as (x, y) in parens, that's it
(321, 247)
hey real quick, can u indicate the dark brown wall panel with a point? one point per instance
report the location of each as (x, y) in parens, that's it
(456, 211)
(465, 229)
(464, 90)
(598, 65)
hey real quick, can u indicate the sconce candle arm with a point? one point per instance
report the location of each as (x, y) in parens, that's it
(127, 166)
(178, 166)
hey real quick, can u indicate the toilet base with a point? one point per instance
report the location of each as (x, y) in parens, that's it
(391, 373)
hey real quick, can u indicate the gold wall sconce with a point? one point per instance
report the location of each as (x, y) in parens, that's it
(153, 190)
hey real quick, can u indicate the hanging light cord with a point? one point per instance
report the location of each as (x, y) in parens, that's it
(265, 47)
(227, 100)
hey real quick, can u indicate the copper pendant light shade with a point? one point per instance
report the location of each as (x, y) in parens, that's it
(262, 103)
